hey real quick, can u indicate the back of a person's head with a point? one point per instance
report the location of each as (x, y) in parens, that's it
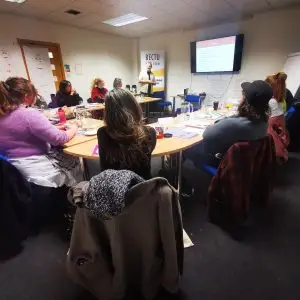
(123, 120)
(278, 84)
(252, 113)
(12, 93)
(63, 85)
(117, 83)
(121, 109)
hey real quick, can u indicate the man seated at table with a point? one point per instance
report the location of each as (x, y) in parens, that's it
(250, 123)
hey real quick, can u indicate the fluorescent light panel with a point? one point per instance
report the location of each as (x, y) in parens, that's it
(125, 20)
(16, 1)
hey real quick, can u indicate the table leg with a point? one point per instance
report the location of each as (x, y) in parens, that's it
(163, 162)
(84, 168)
(173, 108)
(147, 110)
(179, 171)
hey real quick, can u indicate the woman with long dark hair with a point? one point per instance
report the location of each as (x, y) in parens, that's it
(125, 143)
(67, 96)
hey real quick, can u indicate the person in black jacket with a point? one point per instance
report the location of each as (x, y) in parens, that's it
(67, 96)
(124, 143)
(297, 95)
(289, 99)
(15, 209)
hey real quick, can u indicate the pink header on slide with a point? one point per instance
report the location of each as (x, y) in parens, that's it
(217, 42)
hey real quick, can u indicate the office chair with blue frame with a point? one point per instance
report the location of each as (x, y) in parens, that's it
(196, 100)
(163, 103)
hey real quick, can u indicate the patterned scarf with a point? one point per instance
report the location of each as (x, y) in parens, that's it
(107, 191)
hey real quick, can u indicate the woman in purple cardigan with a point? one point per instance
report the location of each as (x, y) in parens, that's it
(26, 137)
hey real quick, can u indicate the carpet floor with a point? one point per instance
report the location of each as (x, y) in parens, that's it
(264, 264)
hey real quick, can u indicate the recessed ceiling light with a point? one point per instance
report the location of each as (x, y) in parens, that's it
(16, 1)
(125, 20)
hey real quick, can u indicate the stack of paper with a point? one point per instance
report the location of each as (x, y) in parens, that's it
(199, 123)
(182, 133)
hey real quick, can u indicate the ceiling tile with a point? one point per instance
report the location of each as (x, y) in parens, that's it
(8, 6)
(51, 5)
(64, 18)
(87, 20)
(94, 6)
(209, 5)
(283, 3)
(164, 15)
(249, 6)
(169, 6)
(32, 11)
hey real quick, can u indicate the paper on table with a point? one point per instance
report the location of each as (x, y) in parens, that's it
(96, 150)
(194, 130)
(182, 133)
(165, 121)
(199, 123)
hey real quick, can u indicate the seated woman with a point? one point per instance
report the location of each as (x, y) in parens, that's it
(250, 123)
(278, 106)
(98, 91)
(124, 143)
(26, 136)
(117, 83)
(67, 96)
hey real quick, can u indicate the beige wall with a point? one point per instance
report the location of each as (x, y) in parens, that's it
(101, 55)
(269, 38)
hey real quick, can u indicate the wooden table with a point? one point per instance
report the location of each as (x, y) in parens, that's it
(144, 100)
(81, 138)
(166, 146)
(163, 147)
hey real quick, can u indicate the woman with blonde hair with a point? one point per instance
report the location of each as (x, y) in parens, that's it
(277, 108)
(98, 90)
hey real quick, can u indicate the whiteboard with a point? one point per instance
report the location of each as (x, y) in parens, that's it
(40, 72)
(292, 69)
(6, 63)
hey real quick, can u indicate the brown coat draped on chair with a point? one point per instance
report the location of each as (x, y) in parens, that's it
(140, 248)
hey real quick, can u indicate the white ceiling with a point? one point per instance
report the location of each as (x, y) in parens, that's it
(164, 15)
